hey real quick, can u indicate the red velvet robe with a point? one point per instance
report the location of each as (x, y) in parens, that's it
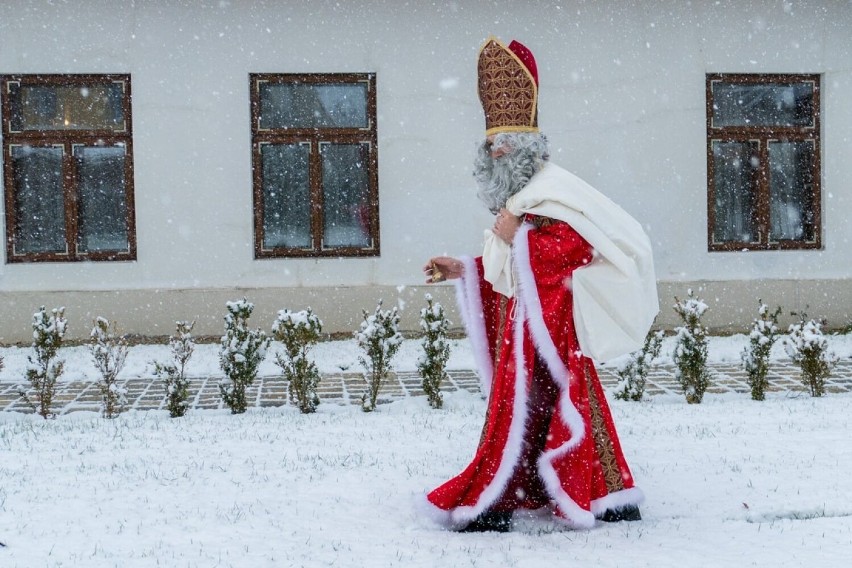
(566, 454)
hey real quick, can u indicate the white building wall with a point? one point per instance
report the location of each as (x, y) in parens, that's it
(622, 101)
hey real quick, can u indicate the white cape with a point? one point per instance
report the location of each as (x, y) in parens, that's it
(615, 296)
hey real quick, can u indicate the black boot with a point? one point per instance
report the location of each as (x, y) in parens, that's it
(628, 513)
(490, 522)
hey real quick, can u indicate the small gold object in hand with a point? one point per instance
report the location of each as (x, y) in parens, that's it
(437, 275)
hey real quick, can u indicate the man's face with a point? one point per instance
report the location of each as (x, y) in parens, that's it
(494, 171)
(497, 151)
(504, 164)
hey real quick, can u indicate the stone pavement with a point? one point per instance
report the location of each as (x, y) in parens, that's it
(346, 388)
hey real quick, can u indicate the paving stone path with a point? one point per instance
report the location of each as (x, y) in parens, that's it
(346, 388)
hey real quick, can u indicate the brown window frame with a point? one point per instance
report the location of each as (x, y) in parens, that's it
(315, 137)
(763, 135)
(67, 139)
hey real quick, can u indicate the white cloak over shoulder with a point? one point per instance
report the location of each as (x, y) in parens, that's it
(615, 296)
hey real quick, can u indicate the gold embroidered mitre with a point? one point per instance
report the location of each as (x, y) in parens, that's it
(508, 88)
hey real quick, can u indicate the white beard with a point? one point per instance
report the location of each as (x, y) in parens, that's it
(501, 178)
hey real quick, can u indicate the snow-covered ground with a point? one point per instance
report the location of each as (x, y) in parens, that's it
(731, 482)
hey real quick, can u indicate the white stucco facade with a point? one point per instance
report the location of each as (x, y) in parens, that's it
(622, 101)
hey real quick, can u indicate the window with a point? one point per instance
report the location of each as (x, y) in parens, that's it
(315, 165)
(763, 162)
(68, 167)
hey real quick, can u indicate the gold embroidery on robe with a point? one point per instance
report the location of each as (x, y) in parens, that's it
(603, 443)
(540, 222)
(501, 329)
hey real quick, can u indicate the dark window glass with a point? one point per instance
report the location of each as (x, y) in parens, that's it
(39, 200)
(737, 167)
(791, 189)
(300, 105)
(102, 203)
(346, 195)
(77, 107)
(770, 104)
(286, 196)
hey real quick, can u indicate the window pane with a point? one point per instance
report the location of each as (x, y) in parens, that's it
(102, 203)
(346, 195)
(791, 209)
(286, 196)
(770, 104)
(308, 105)
(39, 200)
(79, 107)
(735, 167)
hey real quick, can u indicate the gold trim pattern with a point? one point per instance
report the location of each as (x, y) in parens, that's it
(503, 313)
(603, 443)
(539, 222)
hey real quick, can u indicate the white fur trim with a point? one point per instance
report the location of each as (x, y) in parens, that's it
(527, 295)
(469, 301)
(618, 500)
(427, 509)
(579, 519)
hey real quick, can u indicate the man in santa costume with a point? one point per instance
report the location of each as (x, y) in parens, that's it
(566, 277)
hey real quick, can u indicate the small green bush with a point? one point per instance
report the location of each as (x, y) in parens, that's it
(690, 353)
(241, 352)
(379, 338)
(109, 351)
(44, 368)
(432, 363)
(633, 375)
(297, 332)
(174, 374)
(807, 346)
(755, 358)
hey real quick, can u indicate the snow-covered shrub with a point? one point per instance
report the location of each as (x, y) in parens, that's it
(174, 374)
(432, 362)
(690, 353)
(380, 339)
(109, 351)
(44, 368)
(241, 352)
(755, 357)
(633, 375)
(297, 332)
(807, 346)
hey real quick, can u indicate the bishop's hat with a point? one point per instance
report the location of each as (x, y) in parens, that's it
(508, 87)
